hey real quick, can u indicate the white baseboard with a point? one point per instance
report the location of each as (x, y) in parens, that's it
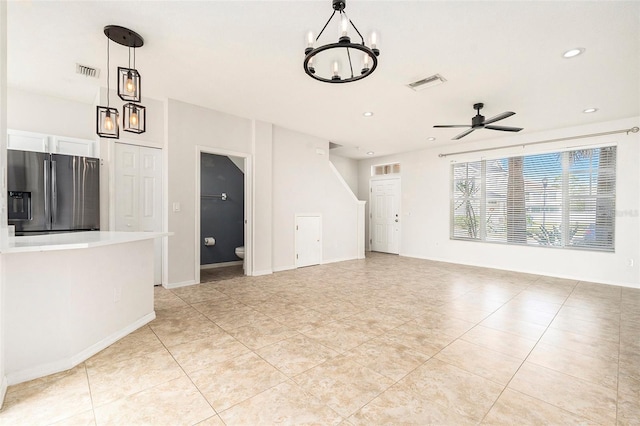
(344, 259)
(3, 390)
(263, 272)
(110, 340)
(68, 363)
(284, 268)
(222, 264)
(524, 271)
(180, 284)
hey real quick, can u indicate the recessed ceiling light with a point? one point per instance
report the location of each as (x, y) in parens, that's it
(590, 110)
(370, 153)
(431, 138)
(367, 114)
(572, 53)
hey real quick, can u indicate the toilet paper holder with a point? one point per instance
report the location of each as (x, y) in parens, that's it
(209, 241)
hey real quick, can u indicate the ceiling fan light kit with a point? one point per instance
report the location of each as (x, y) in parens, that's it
(332, 68)
(479, 122)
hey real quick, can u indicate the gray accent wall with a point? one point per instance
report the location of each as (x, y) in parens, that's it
(222, 220)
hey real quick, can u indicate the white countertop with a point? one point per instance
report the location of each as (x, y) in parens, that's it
(73, 240)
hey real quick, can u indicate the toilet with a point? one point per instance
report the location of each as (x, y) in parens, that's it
(240, 252)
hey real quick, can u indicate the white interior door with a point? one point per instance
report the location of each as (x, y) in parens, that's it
(308, 241)
(385, 215)
(127, 187)
(138, 194)
(150, 205)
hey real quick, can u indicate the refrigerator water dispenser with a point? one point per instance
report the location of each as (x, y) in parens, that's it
(19, 205)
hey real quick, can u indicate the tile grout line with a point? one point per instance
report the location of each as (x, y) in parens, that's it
(532, 349)
(434, 355)
(243, 344)
(93, 408)
(185, 373)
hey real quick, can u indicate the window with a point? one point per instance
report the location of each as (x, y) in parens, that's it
(385, 169)
(562, 199)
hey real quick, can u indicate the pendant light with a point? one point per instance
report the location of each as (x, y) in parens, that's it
(134, 118)
(129, 80)
(332, 63)
(107, 117)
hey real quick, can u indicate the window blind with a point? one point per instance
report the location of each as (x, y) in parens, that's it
(563, 199)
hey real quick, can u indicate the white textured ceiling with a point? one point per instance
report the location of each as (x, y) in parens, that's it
(245, 58)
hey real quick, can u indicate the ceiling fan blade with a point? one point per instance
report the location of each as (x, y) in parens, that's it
(504, 128)
(463, 134)
(499, 117)
(453, 125)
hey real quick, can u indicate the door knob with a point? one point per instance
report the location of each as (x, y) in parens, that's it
(396, 220)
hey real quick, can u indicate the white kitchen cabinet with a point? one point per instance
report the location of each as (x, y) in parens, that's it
(53, 144)
(27, 141)
(74, 146)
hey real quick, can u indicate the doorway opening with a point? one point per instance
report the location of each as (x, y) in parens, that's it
(223, 206)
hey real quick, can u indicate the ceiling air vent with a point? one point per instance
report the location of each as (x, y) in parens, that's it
(334, 145)
(87, 71)
(424, 83)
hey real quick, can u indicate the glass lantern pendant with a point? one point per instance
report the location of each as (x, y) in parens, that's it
(134, 118)
(107, 122)
(129, 84)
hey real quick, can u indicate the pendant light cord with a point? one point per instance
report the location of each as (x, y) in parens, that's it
(108, 73)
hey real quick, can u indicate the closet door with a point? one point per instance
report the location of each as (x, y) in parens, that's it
(138, 194)
(308, 240)
(150, 200)
(127, 187)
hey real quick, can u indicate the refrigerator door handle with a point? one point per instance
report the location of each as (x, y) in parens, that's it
(54, 193)
(46, 189)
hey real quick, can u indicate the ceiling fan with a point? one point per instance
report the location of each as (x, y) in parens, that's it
(478, 122)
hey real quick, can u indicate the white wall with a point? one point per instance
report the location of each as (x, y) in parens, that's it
(3, 188)
(348, 169)
(425, 209)
(304, 183)
(262, 197)
(289, 178)
(34, 112)
(187, 127)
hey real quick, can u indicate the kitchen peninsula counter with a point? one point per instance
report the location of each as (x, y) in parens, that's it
(73, 240)
(69, 296)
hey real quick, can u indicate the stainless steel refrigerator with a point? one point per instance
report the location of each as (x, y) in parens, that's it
(52, 192)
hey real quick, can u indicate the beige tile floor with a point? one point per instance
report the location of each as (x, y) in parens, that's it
(385, 340)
